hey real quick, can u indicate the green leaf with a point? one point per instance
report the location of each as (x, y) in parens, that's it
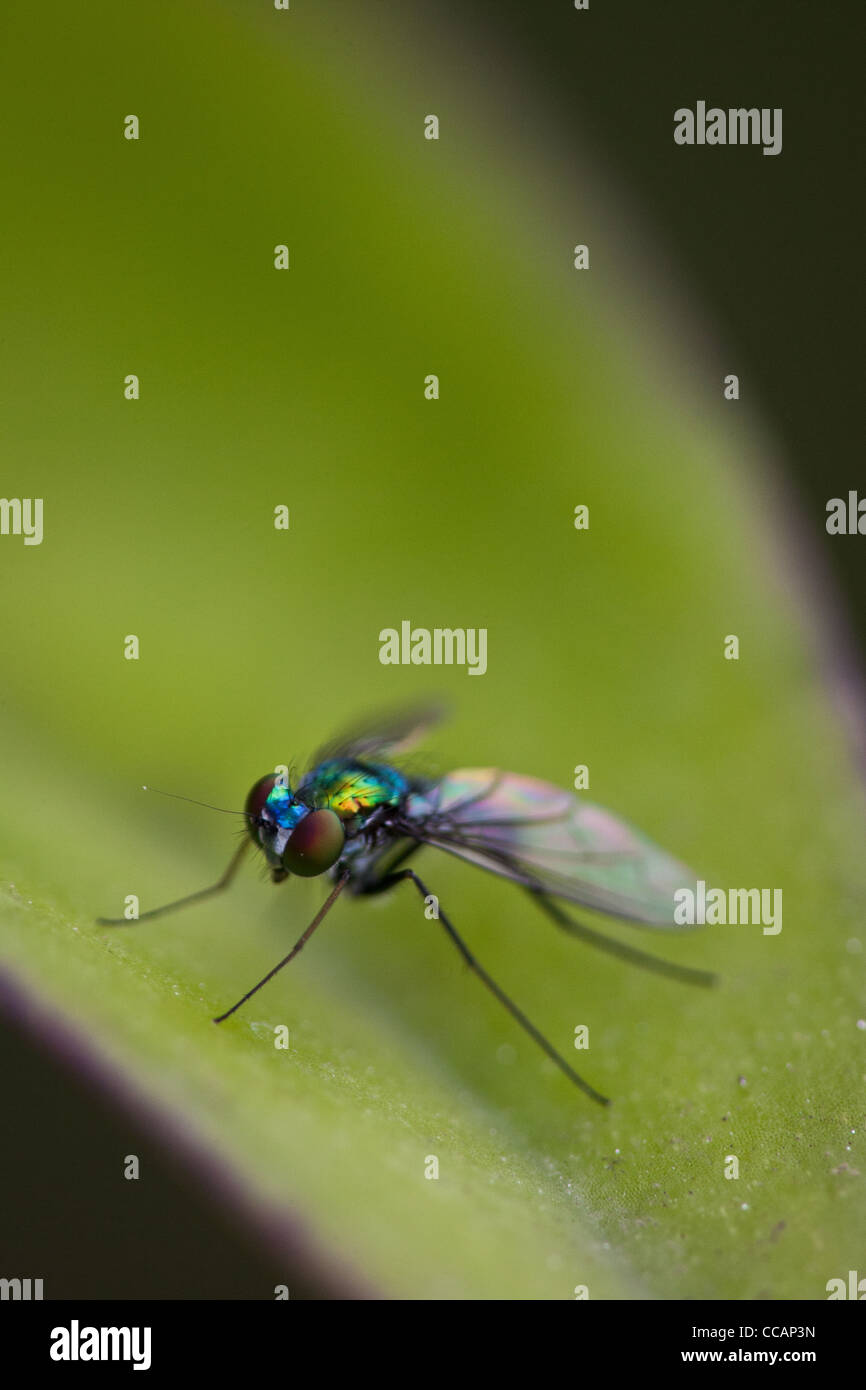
(305, 388)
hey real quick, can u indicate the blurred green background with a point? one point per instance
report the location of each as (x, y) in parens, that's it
(306, 388)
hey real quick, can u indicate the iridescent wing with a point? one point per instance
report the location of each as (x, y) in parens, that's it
(549, 840)
(386, 734)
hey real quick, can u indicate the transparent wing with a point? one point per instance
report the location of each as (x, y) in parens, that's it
(544, 838)
(387, 733)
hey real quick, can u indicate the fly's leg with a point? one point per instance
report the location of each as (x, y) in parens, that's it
(221, 883)
(370, 885)
(684, 973)
(299, 944)
(409, 874)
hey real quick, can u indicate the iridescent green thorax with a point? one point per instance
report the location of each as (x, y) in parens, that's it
(352, 788)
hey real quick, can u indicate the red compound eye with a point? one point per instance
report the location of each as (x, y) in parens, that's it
(258, 796)
(315, 844)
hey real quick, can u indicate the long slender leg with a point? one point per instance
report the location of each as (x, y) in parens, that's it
(221, 883)
(684, 973)
(302, 940)
(498, 993)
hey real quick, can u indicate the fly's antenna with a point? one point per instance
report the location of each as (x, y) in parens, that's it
(193, 802)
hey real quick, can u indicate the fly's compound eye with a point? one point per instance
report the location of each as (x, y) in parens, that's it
(255, 803)
(315, 844)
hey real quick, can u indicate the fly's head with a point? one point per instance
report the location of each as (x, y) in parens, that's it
(295, 838)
